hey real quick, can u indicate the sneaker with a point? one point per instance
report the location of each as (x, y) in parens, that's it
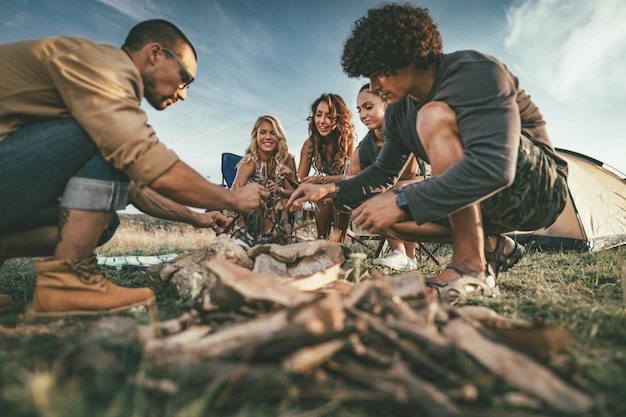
(65, 288)
(394, 260)
(412, 263)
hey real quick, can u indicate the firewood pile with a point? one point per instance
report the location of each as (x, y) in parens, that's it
(309, 321)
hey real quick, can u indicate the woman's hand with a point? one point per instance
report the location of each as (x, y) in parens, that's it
(283, 171)
(271, 186)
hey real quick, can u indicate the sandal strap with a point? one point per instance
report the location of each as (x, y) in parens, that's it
(498, 252)
(463, 269)
(499, 261)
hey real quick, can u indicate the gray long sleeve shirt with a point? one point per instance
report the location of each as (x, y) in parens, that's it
(492, 111)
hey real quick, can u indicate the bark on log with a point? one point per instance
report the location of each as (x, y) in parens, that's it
(322, 317)
(314, 282)
(256, 286)
(517, 369)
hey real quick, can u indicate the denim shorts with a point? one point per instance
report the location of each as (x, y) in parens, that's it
(48, 165)
(534, 200)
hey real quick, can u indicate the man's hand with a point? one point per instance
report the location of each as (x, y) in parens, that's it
(213, 219)
(378, 213)
(308, 192)
(250, 198)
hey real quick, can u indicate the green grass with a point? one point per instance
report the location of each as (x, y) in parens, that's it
(581, 292)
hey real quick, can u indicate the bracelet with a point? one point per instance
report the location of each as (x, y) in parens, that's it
(323, 180)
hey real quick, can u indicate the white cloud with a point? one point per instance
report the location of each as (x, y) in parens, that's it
(575, 48)
(136, 9)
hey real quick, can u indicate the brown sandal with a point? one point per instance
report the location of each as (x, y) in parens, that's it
(501, 262)
(470, 283)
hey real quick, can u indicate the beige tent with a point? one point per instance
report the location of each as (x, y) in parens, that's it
(595, 215)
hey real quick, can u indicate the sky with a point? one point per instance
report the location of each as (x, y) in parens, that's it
(277, 56)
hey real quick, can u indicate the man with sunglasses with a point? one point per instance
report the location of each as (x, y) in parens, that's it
(75, 147)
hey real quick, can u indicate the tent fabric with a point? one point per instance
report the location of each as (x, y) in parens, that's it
(595, 215)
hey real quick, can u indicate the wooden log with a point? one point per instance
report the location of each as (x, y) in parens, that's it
(541, 339)
(307, 358)
(517, 369)
(377, 297)
(407, 285)
(368, 354)
(401, 384)
(313, 282)
(255, 286)
(414, 356)
(309, 325)
(322, 317)
(165, 328)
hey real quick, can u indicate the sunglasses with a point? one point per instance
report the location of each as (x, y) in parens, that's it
(188, 78)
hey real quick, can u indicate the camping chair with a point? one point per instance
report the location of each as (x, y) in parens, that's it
(229, 168)
(382, 245)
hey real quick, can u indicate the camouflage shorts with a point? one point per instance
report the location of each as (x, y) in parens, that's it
(534, 200)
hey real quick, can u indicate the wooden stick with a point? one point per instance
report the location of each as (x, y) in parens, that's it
(517, 369)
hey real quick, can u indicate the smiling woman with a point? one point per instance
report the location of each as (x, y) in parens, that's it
(327, 150)
(268, 162)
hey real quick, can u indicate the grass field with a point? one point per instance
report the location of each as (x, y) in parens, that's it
(582, 292)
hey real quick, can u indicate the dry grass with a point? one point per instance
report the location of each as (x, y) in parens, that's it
(143, 235)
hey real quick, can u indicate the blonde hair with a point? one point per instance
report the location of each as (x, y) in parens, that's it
(281, 153)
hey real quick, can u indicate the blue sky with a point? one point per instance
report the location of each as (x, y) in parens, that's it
(278, 56)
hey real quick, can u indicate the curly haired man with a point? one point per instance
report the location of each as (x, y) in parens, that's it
(494, 167)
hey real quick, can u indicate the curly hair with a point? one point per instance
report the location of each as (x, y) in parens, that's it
(281, 153)
(343, 135)
(391, 37)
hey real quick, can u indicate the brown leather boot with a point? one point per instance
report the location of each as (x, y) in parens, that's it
(66, 288)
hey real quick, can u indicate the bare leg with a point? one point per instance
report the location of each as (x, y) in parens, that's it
(342, 221)
(79, 231)
(398, 245)
(438, 130)
(491, 241)
(323, 218)
(409, 249)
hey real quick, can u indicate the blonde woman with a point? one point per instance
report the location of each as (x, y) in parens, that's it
(267, 161)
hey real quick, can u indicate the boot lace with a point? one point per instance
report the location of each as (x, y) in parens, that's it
(88, 272)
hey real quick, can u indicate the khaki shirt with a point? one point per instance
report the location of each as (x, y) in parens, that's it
(96, 84)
